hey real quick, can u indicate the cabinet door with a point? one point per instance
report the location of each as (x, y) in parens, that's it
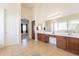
(61, 42)
(43, 37)
(73, 44)
(39, 37)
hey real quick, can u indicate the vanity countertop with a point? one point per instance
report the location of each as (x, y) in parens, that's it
(66, 35)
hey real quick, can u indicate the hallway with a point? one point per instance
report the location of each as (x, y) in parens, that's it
(24, 30)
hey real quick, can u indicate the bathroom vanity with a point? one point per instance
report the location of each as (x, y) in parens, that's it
(67, 42)
(64, 29)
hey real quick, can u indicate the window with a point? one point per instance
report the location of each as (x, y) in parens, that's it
(73, 26)
(60, 27)
(55, 27)
(24, 28)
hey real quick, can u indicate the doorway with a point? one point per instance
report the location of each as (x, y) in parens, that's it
(24, 31)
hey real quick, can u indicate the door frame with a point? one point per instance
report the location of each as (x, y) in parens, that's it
(33, 33)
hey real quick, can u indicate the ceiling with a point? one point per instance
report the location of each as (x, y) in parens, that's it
(66, 5)
(54, 6)
(46, 9)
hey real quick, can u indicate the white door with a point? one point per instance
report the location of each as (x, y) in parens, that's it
(12, 24)
(2, 27)
(9, 24)
(11, 27)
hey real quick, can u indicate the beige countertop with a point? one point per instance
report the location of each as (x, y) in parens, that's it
(71, 35)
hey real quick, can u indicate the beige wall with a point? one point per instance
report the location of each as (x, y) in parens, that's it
(27, 13)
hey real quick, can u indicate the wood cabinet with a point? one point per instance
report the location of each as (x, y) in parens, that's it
(61, 42)
(68, 43)
(43, 37)
(73, 44)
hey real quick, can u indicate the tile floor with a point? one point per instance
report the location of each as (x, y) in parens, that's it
(32, 48)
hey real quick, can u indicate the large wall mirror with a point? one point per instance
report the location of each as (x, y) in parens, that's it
(68, 25)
